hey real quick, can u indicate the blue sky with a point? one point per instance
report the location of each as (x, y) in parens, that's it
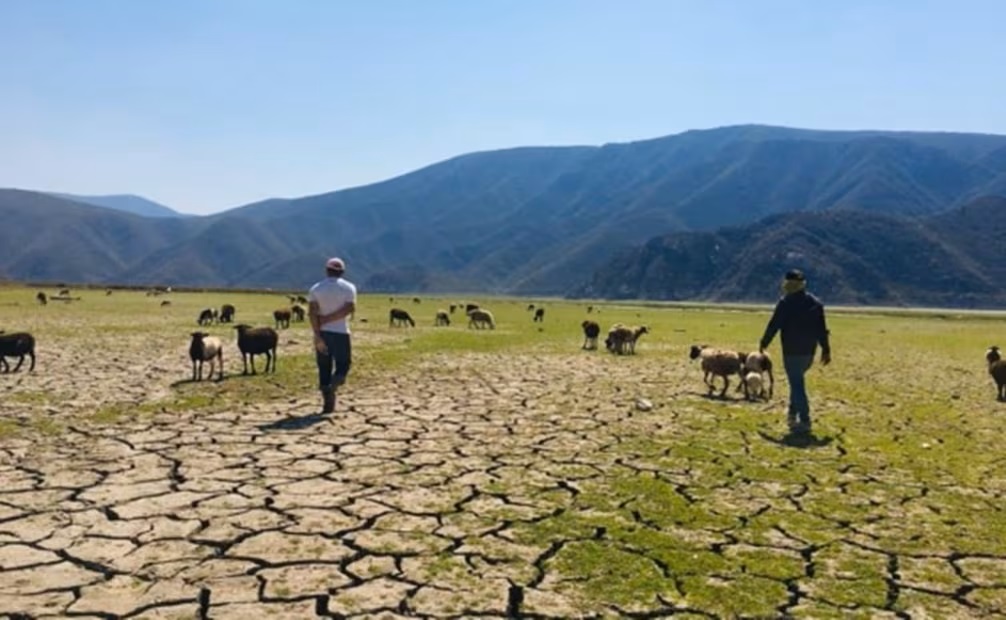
(209, 104)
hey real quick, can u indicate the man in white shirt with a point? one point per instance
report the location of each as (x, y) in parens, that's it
(331, 301)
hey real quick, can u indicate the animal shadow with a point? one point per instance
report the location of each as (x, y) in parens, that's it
(295, 423)
(798, 440)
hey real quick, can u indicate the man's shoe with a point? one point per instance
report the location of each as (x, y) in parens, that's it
(328, 401)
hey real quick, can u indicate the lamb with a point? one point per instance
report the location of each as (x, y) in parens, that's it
(591, 330)
(539, 315)
(443, 319)
(997, 368)
(282, 317)
(41, 298)
(479, 318)
(227, 313)
(298, 313)
(400, 317)
(756, 364)
(19, 344)
(717, 362)
(254, 341)
(206, 348)
(205, 317)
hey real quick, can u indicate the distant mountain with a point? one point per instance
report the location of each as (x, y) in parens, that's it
(128, 203)
(543, 220)
(957, 258)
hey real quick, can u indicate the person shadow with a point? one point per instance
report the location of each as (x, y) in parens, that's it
(295, 423)
(798, 440)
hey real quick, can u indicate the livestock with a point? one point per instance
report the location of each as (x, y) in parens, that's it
(64, 293)
(443, 319)
(530, 307)
(254, 341)
(479, 319)
(18, 345)
(298, 313)
(282, 317)
(622, 339)
(400, 317)
(301, 299)
(205, 348)
(470, 307)
(165, 303)
(41, 298)
(227, 313)
(997, 369)
(205, 317)
(761, 364)
(416, 300)
(591, 330)
(453, 307)
(539, 315)
(716, 363)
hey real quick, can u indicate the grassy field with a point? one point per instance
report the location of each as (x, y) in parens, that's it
(507, 468)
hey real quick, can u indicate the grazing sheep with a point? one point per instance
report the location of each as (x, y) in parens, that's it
(416, 300)
(443, 319)
(717, 363)
(206, 348)
(530, 307)
(453, 307)
(17, 345)
(298, 313)
(254, 341)
(470, 307)
(165, 303)
(302, 300)
(622, 339)
(479, 318)
(205, 317)
(637, 332)
(400, 317)
(539, 315)
(591, 330)
(41, 298)
(759, 364)
(227, 313)
(997, 368)
(282, 317)
(64, 293)
(108, 292)
(590, 309)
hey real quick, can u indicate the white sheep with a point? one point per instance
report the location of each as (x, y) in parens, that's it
(480, 318)
(206, 348)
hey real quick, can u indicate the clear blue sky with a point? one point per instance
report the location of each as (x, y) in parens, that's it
(209, 104)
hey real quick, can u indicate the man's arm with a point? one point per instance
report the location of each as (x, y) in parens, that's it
(822, 337)
(313, 313)
(347, 309)
(774, 324)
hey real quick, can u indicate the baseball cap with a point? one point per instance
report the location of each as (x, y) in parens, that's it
(336, 264)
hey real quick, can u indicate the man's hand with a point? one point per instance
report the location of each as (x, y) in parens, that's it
(319, 344)
(825, 358)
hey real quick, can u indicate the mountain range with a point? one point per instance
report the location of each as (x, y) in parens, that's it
(128, 203)
(574, 220)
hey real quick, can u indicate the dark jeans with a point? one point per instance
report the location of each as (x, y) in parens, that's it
(339, 351)
(796, 367)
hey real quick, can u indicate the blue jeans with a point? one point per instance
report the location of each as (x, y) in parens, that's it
(796, 367)
(341, 353)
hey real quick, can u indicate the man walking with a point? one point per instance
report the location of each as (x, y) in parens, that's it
(331, 301)
(799, 316)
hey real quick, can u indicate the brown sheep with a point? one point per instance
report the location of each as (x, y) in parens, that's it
(539, 315)
(591, 330)
(453, 308)
(997, 369)
(17, 345)
(205, 317)
(470, 307)
(254, 341)
(716, 363)
(227, 313)
(165, 303)
(41, 298)
(298, 313)
(282, 317)
(443, 319)
(400, 317)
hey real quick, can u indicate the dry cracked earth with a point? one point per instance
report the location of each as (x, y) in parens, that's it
(478, 486)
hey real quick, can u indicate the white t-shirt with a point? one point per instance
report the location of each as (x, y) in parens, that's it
(332, 294)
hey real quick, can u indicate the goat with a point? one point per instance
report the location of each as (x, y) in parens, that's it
(443, 319)
(254, 341)
(18, 345)
(400, 317)
(206, 348)
(205, 317)
(282, 317)
(716, 362)
(591, 330)
(479, 318)
(997, 368)
(539, 315)
(227, 313)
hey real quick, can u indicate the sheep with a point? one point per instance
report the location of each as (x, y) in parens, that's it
(227, 313)
(254, 341)
(18, 344)
(622, 339)
(637, 332)
(108, 292)
(470, 307)
(759, 364)
(205, 317)
(400, 317)
(716, 362)
(165, 303)
(453, 307)
(41, 298)
(416, 300)
(442, 319)
(298, 313)
(64, 293)
(302, 300)
(479, 318)
(997, 368)
(530, 307)
(282, 317)
(539, 315)
(590, 309)
(206, 348)
(591, 330)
